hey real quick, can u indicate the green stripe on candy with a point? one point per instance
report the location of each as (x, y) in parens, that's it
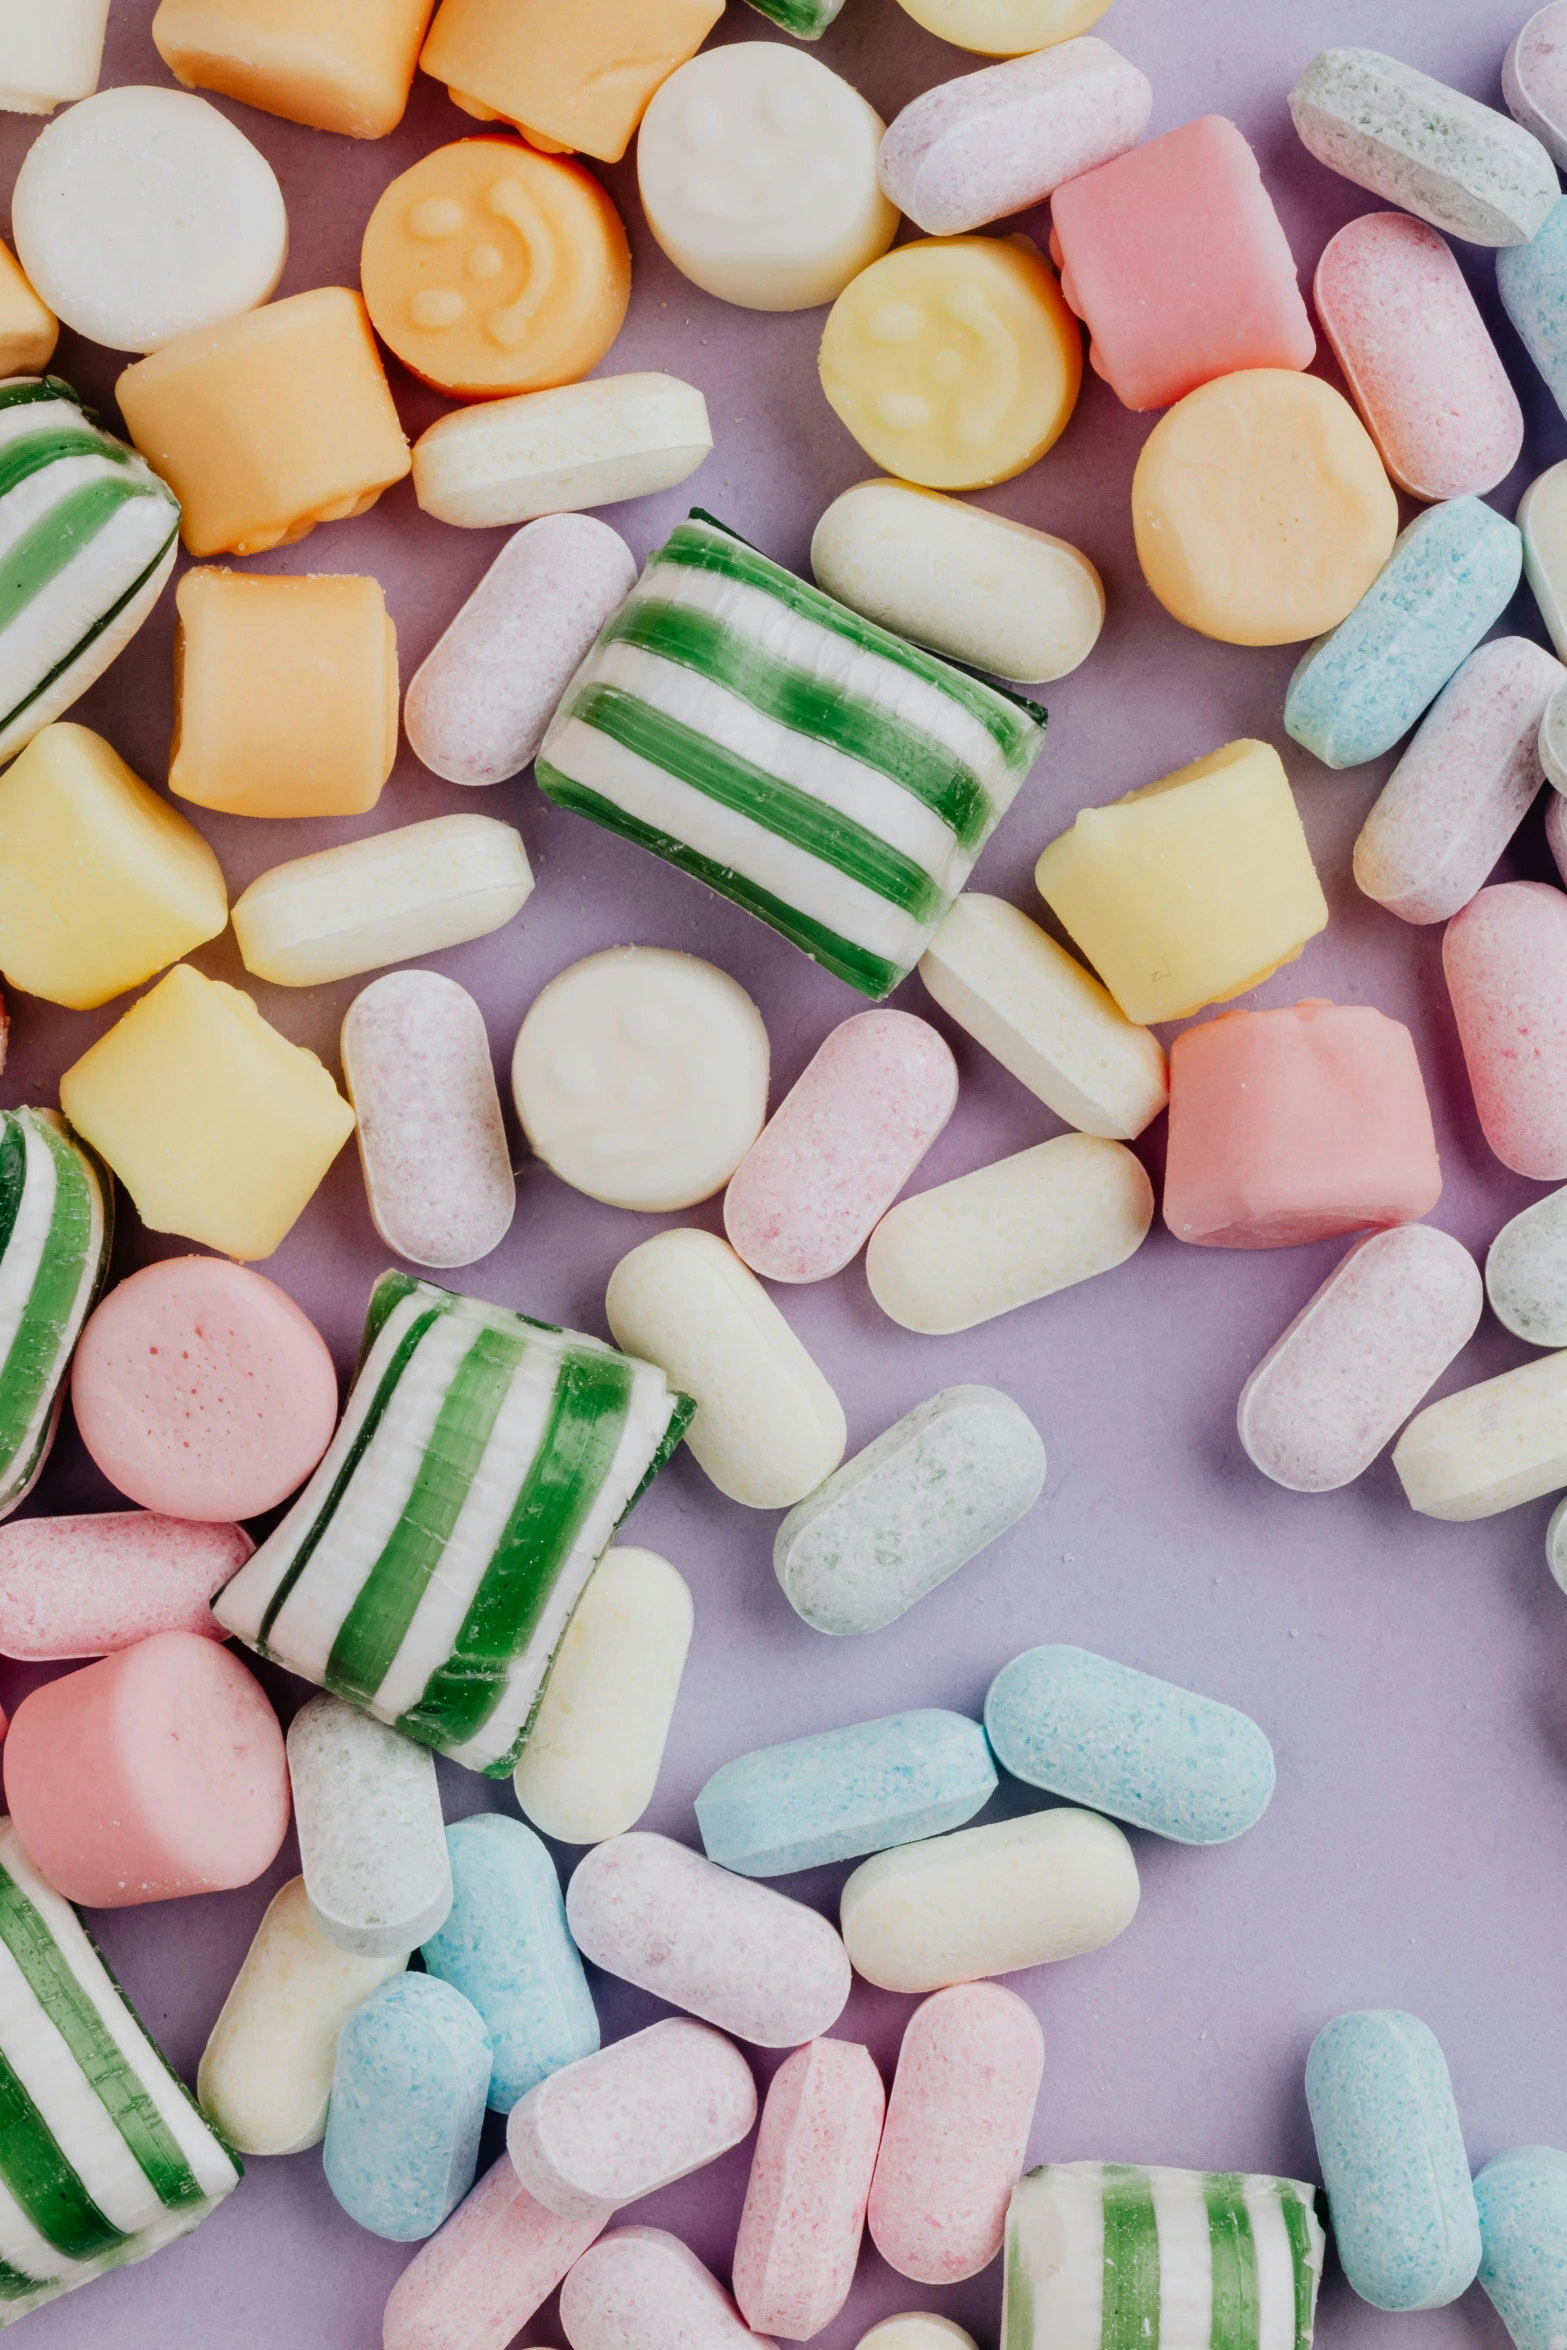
(65, 1268)
(806, 19)
(1297, 2227)
(59, 536)
(1129, 2318)
(35, 452)
(1019, 2294)
(42, 2181)
(1232, 2249)
(45, 387)
(13, 1174)
(15, 2287)
(90, 636)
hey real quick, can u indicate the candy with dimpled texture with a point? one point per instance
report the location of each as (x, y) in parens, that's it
(367, 1813)
(1542, 523)
(1521, 2197)
(637, 2285)
(338, 69)
(1505, 959)
(845, 1792)
(402, 2131)
(75, 1587)
(804, 2212)
(568, 78)
(736, 1954)
(1393, 2160)
(1358, 1357)
(1005, 28)
(51, 54)
(929, 1494)
(840, 1147)
(487, 2271)
(1489, 1447)
(1530, 281)
(1534, 80)
(587, 444)
(59, 1206)
(636, 2116)
(1525, 1277)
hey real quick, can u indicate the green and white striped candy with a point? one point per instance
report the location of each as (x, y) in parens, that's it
(806, 19)
(824, 774)
(56, 1222)
(1107, 2256)
(429, 1569)
(104, 2157)
(88, 536)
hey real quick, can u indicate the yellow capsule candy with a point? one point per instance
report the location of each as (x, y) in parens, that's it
(1005, 28)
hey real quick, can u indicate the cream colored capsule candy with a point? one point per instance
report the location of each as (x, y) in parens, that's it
(1542, 519)
(50, 51)
(768, 1428)
(587, 444)
(1490, 1447)
(989, 1901)
(1017, 1230)
(917, 2329)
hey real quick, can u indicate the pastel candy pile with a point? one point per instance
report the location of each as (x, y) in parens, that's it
(368, 1817)
(73, 1587)
(1521, 2197)
(1534, 81)
(556, 452)
(804, 2212)
(844, 1793)
(632, 2118)
(638, 2284)
(487, 2271)
(56, 1215)
(1525, 1276)
(1504, 957)
(408, 2090)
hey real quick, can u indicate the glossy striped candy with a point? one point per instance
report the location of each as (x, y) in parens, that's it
(806, 19)
(813, 767)
(56, 1222)
(430, 1567)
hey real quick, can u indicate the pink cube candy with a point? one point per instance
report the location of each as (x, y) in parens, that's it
(1416, 355)
(1174, 259)
(840, 1147)
(88, 1586)
(958, 2119)
(640, 2289)
(1293, 1125)
(810, 2177)
(496, 2261)
(1505, 957)
(1534, 79)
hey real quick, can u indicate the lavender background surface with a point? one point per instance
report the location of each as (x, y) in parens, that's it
(1410, 1674)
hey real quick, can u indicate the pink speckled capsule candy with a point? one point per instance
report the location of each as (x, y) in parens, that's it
(88, 1586)
(640, 2289)
(1534, 79)
(1416, 355)
(958, 2119)
(477, 2282)
(840, 1147)
(1505, 957)
(804, 2210)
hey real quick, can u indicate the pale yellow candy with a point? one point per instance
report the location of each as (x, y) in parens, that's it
(1490, 1447)
(29, 329)
(1192, 890)
(954, 361)
(101, 882)
(1005, 28)
(917, 2329)
(1542, 518)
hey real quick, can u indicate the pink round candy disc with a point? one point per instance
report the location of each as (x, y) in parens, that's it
(201, 1390)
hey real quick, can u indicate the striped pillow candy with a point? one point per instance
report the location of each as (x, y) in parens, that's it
(56, 1223)
(429, 1569)
(820, 771)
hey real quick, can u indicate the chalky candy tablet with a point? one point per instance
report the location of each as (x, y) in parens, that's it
(632, 2118)
(408, 2088)
(1463, 786)
(156, 1773)
(1489, 1447)
(477, 707)
(1393, 2161)
(958, 2120)
(505, 1947)
(1450, 575)
(997, 142)
(1005, 28)
(1360, 1354)
(1521, 2197)
(1525, 1280)
(1505, 958)
(56, 1223)
(346, 70)
(591, 1762)
(989, 1901)
(487, 2271)
(1534, 83)
(589, 444)
(917, 2329)
(927, 1495)
(640, 1077)
(757, 171)
(845, 1792)
(804, 2212)
(266, 2072)
(51, 54)
(107, 2157)
(1113, 2256)
(1159, 1757)
(145, 214)
(811, 766)
(1427, 148)
(1556, 827)
(200, 1389)
(1542, 522)
(640, 2285)
(840, 1147)
(372, 1846)
(737, 1954)
(432, 1142)
(1529, 280)
(431, 1565)
(1551, 745)
(87, 1586)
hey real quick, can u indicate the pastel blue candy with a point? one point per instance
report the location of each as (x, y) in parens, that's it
(402, 2130)
(1120, 1741)
(1393, 2160)
(505, 1946)
(1522, 2199)
(1532, 281)
(845, 1793)
(1450, 575)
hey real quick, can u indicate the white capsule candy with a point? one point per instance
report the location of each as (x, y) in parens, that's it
(1490, 1447)
(640, 2114)
(1526, 1273)
(371, 1840)
(587, 444)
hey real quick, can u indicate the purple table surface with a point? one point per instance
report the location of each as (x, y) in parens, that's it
(1410, 1674)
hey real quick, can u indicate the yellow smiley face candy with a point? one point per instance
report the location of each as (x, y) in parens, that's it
(954, 361)
(1005, 28)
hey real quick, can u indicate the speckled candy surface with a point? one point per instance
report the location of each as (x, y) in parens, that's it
(640, 2289)
(1532, 281)
(368, 1816)
(845, 1792)
(1521, 2197)
(632, 2118)
(1505, 957)
(804, 2210)
(402, 2134)
(1489, 1447)
(1525, 1275)
(486, 2272)
(74, 1587)
(1534, 79)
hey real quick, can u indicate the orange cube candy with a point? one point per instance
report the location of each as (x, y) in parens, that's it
(337, 65)
(569, 73)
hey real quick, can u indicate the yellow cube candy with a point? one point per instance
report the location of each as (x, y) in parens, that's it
(270, 423)
(101, 882)
(219, 1128)
(285, 694)
(29, 329)
(1190, 891)
(338, 65)
(569, 73)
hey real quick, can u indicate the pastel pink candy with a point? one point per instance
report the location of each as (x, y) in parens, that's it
(958, 2119)
(1174, 259)
(1534, 78)
(840, 1147)
(88, 1586)
(639, 2289)
(1556, 831)
(1505, 957)
(481, 2277)
(804, 2210)
(152, 1774)
(1290, 1126)
(202, 1391)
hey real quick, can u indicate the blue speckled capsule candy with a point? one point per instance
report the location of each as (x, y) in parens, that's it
(506, 1947)
(1532, 281)
(1522, 2200)
(408, 2090)
(1450, 575)
(845, 1793)
(1393, 2160)
(1120, 1741)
